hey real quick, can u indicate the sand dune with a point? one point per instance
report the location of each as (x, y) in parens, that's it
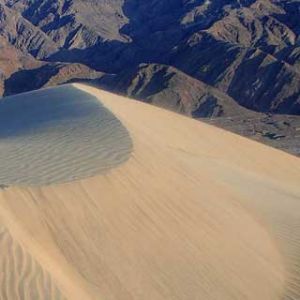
(182, 211)
(58, 135)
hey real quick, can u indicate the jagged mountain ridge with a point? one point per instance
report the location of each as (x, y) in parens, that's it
(260, 36)
(245, 51)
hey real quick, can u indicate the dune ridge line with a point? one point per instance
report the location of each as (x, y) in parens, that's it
(194, 212)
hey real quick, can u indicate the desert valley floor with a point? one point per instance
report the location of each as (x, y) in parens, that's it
(108, 198)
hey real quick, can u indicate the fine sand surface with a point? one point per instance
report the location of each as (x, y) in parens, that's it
(58, 135)
(186, 211)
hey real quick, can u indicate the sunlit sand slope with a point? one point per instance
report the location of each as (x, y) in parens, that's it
(21, 276)
(192, 212)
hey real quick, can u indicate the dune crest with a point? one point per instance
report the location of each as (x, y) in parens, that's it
(194, 212)
(58, 135)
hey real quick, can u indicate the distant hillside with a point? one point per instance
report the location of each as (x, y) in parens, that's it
(201, 58)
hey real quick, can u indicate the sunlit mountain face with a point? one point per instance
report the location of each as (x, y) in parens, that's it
(202, 58)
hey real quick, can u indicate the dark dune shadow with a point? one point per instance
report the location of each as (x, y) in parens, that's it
(57, 135)
(37, 110)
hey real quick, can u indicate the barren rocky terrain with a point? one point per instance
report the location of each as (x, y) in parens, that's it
(235, 63)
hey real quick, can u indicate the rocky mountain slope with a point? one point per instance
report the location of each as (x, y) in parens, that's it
(219, 59)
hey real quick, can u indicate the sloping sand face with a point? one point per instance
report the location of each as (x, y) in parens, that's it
(58, 135)
(194, 213)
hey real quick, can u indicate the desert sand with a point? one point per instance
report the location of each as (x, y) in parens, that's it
(166, 208)
(58, 135)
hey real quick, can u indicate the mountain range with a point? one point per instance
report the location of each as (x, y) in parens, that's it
(233, 63)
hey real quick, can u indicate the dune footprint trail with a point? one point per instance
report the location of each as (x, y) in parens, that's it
(163, 207)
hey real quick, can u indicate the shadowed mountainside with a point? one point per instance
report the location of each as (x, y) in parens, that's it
(245, 52)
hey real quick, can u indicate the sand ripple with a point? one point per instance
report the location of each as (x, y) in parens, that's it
(58, 135)
(21, 277)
